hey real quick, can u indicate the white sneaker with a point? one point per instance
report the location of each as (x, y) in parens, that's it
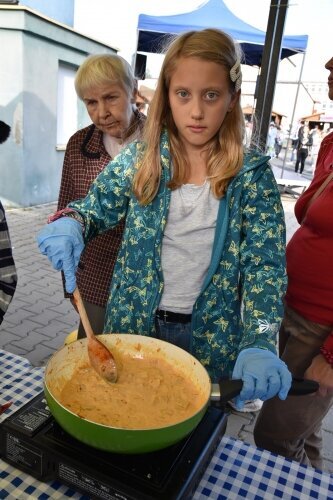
(249, 406)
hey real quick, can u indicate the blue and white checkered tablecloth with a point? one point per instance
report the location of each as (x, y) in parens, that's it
(19, 381)
(237, 470)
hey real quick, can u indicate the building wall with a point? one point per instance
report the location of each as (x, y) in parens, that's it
(30, 161)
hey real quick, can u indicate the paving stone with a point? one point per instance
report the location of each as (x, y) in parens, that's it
(250, 426)
(30, 343)
(38, 307)
(64, 307)
(19, 315)
(10, 336)
(46, 317)
(55, 328)
(236, 422)
(328, 449)
(23, 328)
(71, 319)
(38, 274)
(40, 355)
(14, 349)
(39, 295)
(328, 422)
(16, 304)
(245, 436)
(27, 289)
(328, 466)
(57, 342)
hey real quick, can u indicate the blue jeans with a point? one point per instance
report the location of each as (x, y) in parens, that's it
(178, 334)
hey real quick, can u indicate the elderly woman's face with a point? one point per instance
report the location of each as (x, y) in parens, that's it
(110, 108)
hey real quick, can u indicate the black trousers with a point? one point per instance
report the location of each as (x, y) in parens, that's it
(301, 157)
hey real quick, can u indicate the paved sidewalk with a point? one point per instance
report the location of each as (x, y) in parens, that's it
(39, 318)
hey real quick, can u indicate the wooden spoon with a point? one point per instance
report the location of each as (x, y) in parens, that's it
(100, 357)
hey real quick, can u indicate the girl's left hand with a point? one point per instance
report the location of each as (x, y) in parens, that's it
(321, 372)
(264, 375)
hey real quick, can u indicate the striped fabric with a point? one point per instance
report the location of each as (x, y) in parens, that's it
(8, 276)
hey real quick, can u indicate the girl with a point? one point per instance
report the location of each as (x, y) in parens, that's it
(202, 258)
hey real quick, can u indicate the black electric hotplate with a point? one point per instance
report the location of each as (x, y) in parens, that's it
(32, 441)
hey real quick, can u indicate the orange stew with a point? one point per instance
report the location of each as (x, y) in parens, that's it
(149, 393)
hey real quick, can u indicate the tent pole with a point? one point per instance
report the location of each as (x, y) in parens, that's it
(293, 115)
(269, 67)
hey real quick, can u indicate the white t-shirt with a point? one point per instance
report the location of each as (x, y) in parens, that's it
(187, 245)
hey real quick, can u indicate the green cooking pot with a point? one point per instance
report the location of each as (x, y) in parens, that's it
(63, 363)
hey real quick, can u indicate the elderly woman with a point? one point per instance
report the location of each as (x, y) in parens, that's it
(105, 83)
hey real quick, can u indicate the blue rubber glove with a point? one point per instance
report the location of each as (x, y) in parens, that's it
(264, 376)
(62, 243)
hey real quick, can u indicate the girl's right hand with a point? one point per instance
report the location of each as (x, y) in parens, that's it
(62, 242)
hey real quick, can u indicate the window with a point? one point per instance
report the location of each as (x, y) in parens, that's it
(67, 105)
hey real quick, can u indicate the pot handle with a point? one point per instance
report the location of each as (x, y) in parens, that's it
(299, 387)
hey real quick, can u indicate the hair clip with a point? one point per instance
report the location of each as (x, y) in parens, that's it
(236, 75)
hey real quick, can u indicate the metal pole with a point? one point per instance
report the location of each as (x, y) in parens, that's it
(293, 115)
(269, 66)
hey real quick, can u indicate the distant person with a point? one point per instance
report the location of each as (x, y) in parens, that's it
(278, 141)
(8, 275)
(248, 133)
(326, 130)
(304, 143)
(316, 136)
(294, 145)
(272, 133)
(292, 428)
(107, 86)
(300, 130)
(202, 258)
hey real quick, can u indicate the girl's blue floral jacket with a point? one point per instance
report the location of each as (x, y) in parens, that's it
(240, 304)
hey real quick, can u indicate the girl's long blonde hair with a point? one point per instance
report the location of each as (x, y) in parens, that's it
(225, 154)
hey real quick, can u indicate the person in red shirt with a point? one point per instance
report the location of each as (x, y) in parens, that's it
(292, 428)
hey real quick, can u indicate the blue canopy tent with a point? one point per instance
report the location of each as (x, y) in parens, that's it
(152, 31)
